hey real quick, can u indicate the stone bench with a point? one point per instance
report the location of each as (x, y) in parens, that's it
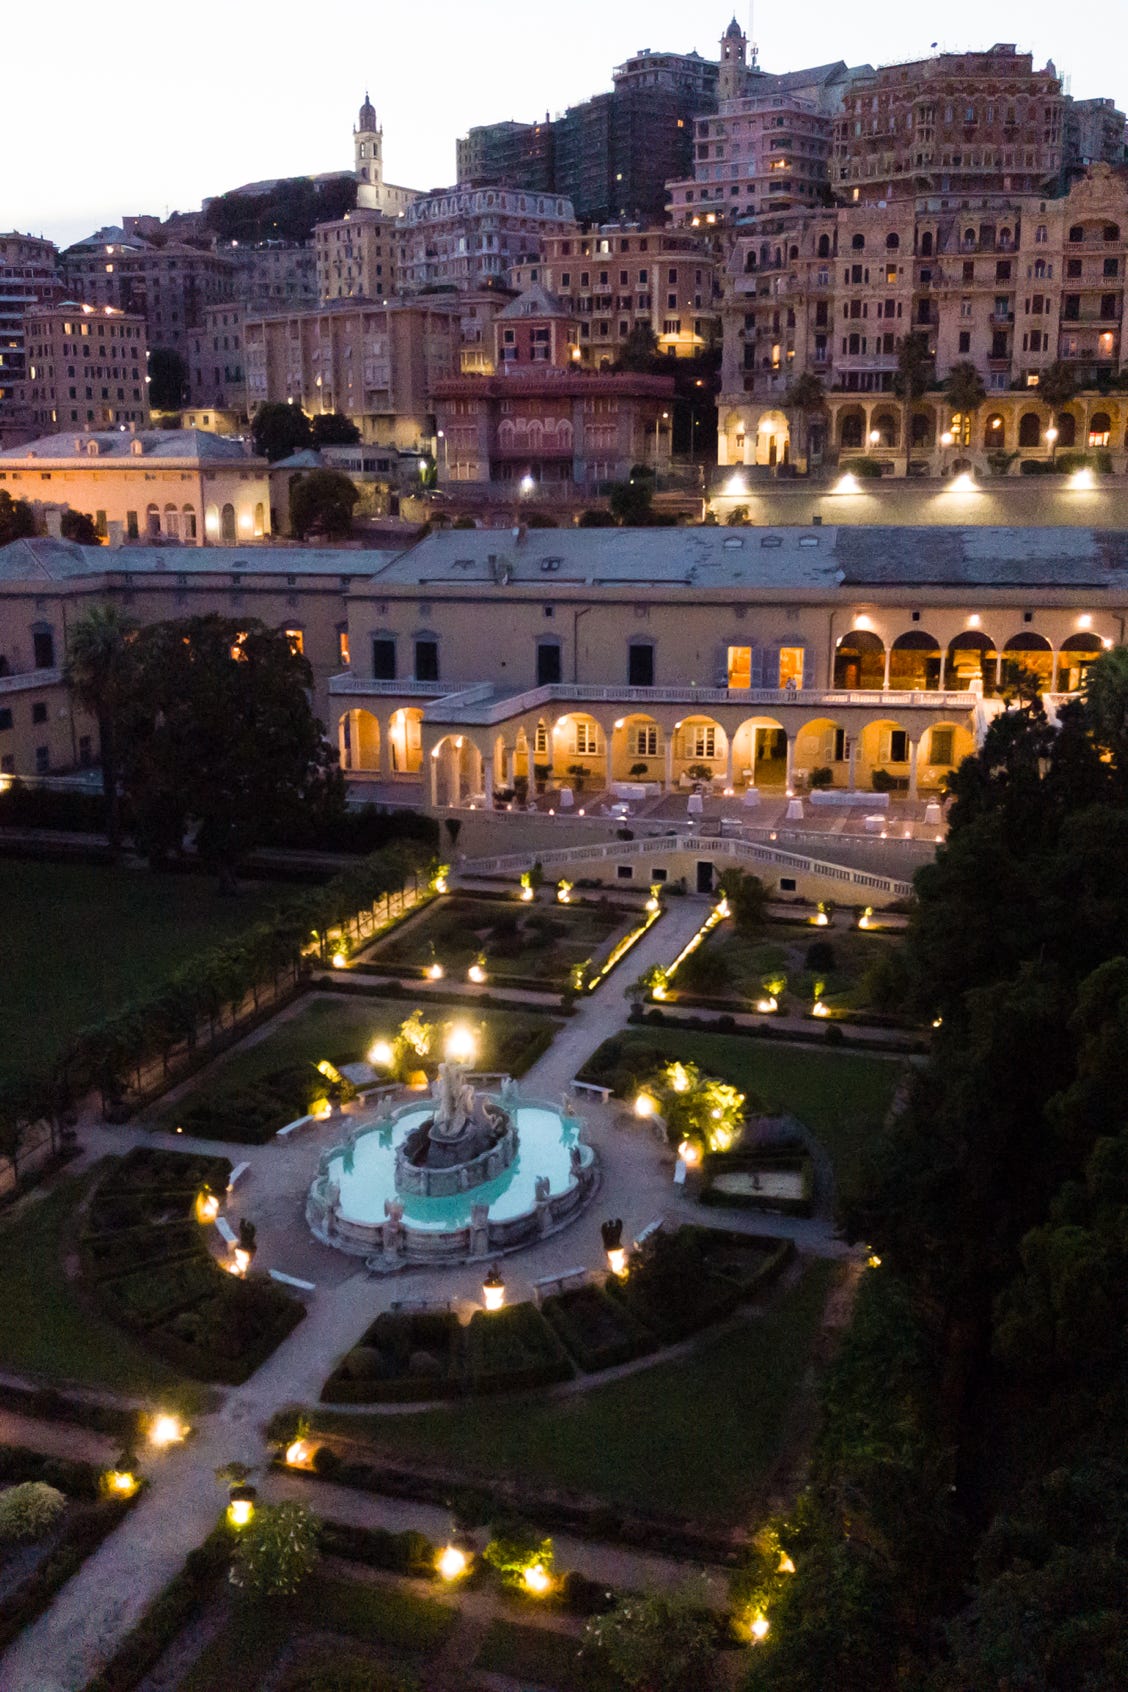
(292, 1281)
(236, 1175)
(602, 1093)
(568, 1280)
(225, 1231)
(420, 1306)
(293, 1127)
(651, 1229)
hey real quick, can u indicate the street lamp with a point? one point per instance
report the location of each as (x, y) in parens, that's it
(946, 440)
(875, 437)
(665, 418)
(1052, 437)
(446, 456)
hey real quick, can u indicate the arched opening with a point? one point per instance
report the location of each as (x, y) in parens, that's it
(172, 522)
(973, 663)
(1031, 655)
(359, 735)
(700, 751)
(994, 433)
(227, 523)
(405, 740)
(260, 520)
(859, 661)
(532, 755)
(892, 243)
(886, 426)
(926, 244)
(773, 439)
(579, 752)
(884, 746)
(944, 748)
(189, 523)
(824, 246)
(1067, 429)
(638, 750)
(1074, 658)
(851, 427)
(914, 662)
(821, 746)
(858, 243)
(456, 771)
(759, 753)
(153, 522)
(1029, 429)
(922, 429)
(1100, 429)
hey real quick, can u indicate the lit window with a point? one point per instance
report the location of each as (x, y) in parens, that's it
(791, 666)
(296, 639)
(740, 666)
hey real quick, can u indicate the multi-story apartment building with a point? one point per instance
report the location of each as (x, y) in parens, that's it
(273, 275)
(956, 125)
(378, 364)
(1009, 287)
(766, 150)
(471, 237)
(356, 256)
(86, 367)
(217, 375)
(1095, 132)
(615, 279)
(509, 154)
(29, 275)
(170, 285)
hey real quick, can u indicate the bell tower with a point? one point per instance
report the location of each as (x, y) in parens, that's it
(368, 150)
(734, 63)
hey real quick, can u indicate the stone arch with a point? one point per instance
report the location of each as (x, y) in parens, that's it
(886, 424)
(699, 741)
(973, 662)
(227, 524)
(884, 744)
(1075, 654)
(1100, 429)
(153, 521)
(1066, 425)
(579, 740)
(172, 521)
(405, 740)
(922, 429)
(851, 427)
(944, 746)
(759, 753)
(915, 662)
(1030, 429)
(859, 661)
(820, 743)
(773, 438)
(1030, 652)
(188, 521)
(359, 740)
(456, 770)
(994, 432)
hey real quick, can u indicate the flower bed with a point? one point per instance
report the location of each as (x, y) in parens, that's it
(760, 1178)
(146, 1264)
(598, 1330)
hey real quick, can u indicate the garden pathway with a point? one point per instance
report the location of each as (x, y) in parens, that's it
(108, 1595)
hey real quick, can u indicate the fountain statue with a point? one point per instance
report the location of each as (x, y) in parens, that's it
(467, 1139)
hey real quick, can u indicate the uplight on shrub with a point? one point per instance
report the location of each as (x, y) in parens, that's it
(452, 1563)
(339, 960)
(381, 1055)
(122, 1483)
(166, 1430)
(759, 1628)
(434, 972)
(476, 973)
(297, 1453)
(207, 1206)
(493, 1290)
(241, 1506)
(644, 1105)
(537, 1579)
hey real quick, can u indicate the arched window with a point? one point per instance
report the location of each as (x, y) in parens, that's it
(227, 523)
(851, 428)
(260, 520)
(824, 246)
(1029, 429)
(792, 253)
(914, 662)
(926, 244)
(1100, 429)
(973, 663)
(969, 240)
(1066, 428)
(153, 522)
(892, 242)
(172, 522)
(1031, 653)
(189, 523)
(994, 433)
(960, 428)
(1076, 233)
(1111, 232)
(885, 428)
(858, 243)
(859, 661)
(1076, 654)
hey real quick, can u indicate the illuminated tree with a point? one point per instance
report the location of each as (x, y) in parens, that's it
(276, 1551)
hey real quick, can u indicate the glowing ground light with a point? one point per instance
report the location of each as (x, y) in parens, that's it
(766, 1006)
(461, 1046)
(207, 1207)
(165, 1430)
(759, 1628)
(537, 1579)
(617, 1261)
(527, 895)
(493, 1290)
(240, 1510)
(296, 1452)
(689, 1154)
(873, 1261)
(434, 972)
(819, 1009)
(339, 960)
(451, 1562)
(122, 1482)
(475, 973)
(381, 1055)
(644, 1105)
(440, 884)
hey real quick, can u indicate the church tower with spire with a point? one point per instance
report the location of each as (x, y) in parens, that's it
(734, 63)
(368, 148)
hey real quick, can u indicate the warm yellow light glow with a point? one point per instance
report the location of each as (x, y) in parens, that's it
(973, 620)
(240, 1511)
(242, 1260)
(207, 1207)
(122, 1482)
(617, 1260)
(736, 485)
(819, 1009)
(434, 972)
(440, 884)
(339, 960)
(964, 483)
(321, 1110)
(873, 1261)
(937, 1021)
(820, 919)
(527, 895)
(493, 1291)
(1085, 621)
(165, 1430)
(689, 1154)
(786, 1566)
(564, 892)
(475, 973)
(766, 1006)
(722, 910)
(461, 1046)
(1082, 481)
(644, 1105)
(652, 905)
(380, 1054)
(861, 621)
(451, 1562)
(296, 1452)
(658, 992)
(679, 1078)
(537, 1579)
(847, 484)
(759, 1628)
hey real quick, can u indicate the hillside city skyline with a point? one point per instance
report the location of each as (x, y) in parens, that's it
(120, 178)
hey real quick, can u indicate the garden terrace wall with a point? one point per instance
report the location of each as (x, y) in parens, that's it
(753, 1162)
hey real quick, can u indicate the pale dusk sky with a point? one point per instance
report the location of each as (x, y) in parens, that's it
(113, 110)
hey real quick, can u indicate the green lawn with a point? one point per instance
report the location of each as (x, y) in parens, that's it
(540, 1656)
(342, 1030)
(694, 1437)
(729, 966)
(249, 1645)
(46, 1329)
(841, 1096)
(542, 941)
(82, 939)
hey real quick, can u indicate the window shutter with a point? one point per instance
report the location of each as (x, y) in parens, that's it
(757, 666)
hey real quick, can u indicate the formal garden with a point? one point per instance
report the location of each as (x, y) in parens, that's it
(540, 944)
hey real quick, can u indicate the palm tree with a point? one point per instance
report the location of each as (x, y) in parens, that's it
(965, 390)
(806, 397)
(911, 380)
(98, 673)
(1056, 387)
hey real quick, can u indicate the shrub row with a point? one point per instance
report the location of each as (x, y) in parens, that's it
(832, 1034)
(598, 1330)
(403, 1357)
(48, 1404)
(182, 1601)
(684, 1280)
(177, 1299)
(77, 1479)
(407, 1553)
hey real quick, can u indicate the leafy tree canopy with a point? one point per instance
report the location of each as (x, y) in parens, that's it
(322, 502)
(277, 430)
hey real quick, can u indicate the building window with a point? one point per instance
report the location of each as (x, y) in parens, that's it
(548, 662)
(343, 647)
(941, 745)
(43, 649)
(5, 717)
(587, 740)
(42, 760)
(640, 664)
(644, 740)
(740, 666)
(383, 658)
(296, 639)
(701, 740)
(540, 741)
(791, 667)
(39, 712)
(427, 659)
